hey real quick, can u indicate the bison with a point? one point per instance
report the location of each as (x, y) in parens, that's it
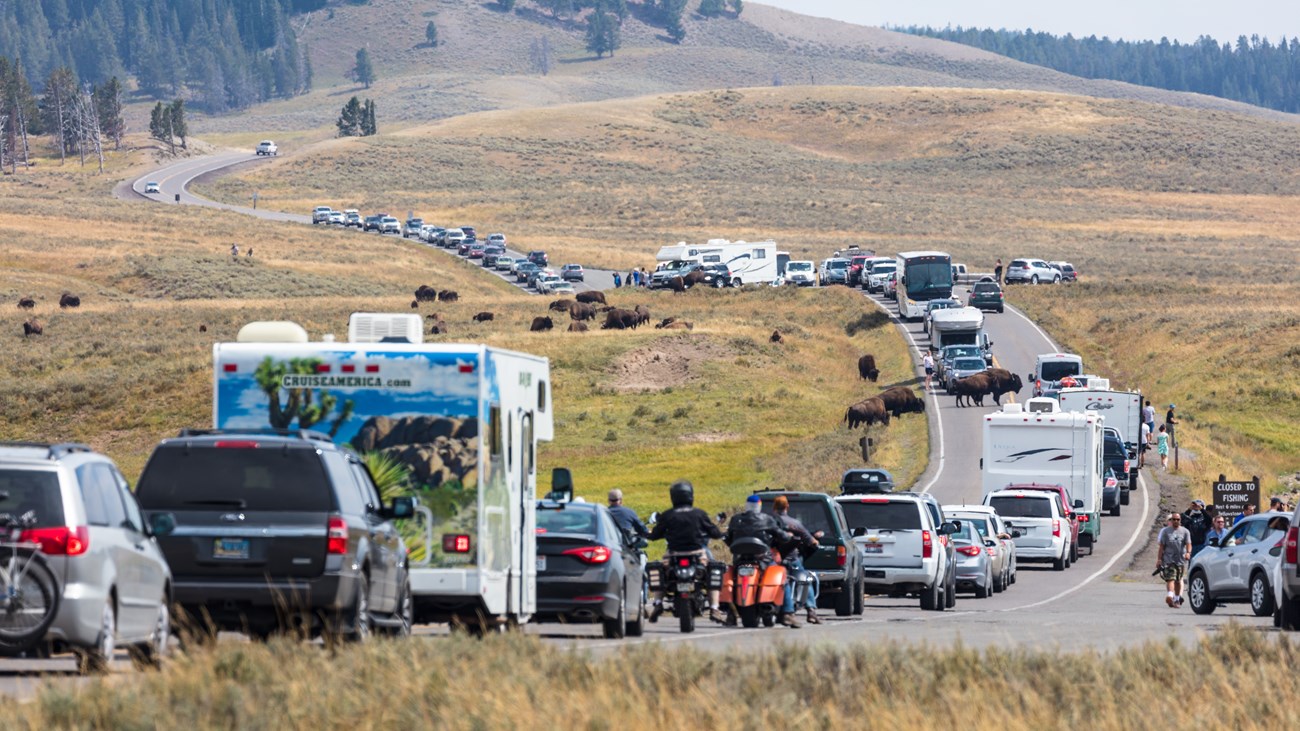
(203, 328)
(642, 313)
(1002, 381)
(540, 324)
(867, 411)
(484, 317)
(694, 278)
(69, 300)
(439, 328)
(677, 325)
(577, 327)
(415, 304)
(32, 327)
(972, 388)
(448, 295)
(425, 293)
(582, 311)
(560, 305)
(776, 337)
(620, 320)
(591, 297)
(902, 400)
(26, 303)
(867, 368)
(676, 284)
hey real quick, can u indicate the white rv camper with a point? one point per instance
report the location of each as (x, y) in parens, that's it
(748, 262)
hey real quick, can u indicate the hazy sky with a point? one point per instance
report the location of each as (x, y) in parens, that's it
(1128, 19)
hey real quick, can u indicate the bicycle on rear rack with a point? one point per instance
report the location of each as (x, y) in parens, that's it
(29, 593)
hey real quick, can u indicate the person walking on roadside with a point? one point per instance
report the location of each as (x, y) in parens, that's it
(234, 250)
(1249, 511)
(1149, 418)
(618, 281)
(1170, 421)
(1197, 524)
(927, 362)
(997, 272)
(1173, 551)
(1144, 445)
(1162, 448)
(1218, 532)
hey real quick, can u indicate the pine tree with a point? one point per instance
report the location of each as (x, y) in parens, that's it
(371, 128)
(179, 127)
(675, 29)
(431, 34)
(160, 125)
(349, 122)
(363, 71)
(506, 5)
(738, 6)
(711, 8)
(108, 107)
(602, 31)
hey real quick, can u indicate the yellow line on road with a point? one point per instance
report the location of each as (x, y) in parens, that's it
(1011, 396)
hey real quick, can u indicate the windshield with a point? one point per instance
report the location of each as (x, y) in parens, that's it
(1022, 507)
(887, 515)
(884, 268)
(980, 523)
(929, 279)
(799, 266)
(263, 478)
(570, 520)
(1056, 370)
(837, 264)
(969, 364)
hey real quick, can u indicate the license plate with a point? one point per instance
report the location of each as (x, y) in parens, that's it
(685, 586)
(232, 548)
(747, 571)
(873, 548)
(541, 563)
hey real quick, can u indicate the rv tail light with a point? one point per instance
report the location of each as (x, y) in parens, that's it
(59, 540)
(372, 368)
(841, 556)
(347, 368)
(927, 545)
(337, 536)
(969, 550)
(1056, 529)
(322, 368)
(455, 543)
(590, 554)
(229, 368)
(1293, 545)
(466, 368)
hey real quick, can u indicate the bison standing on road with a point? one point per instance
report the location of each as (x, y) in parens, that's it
(972, 388)
(902, 400)
(26, 303)
(591, 297)
(541, 323)
(1002, 381)
(867, 411)
(867, 368)
(69, 300)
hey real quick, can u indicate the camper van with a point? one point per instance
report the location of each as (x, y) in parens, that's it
(464, 420)
(749, 262)
(959, 326)
(1120, 409)
(1050, 369)
(1038, 443)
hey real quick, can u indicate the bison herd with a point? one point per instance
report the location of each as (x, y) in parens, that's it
(31, 326)
(899, 400)
(584, 308)
(993, 382)
(894, 402)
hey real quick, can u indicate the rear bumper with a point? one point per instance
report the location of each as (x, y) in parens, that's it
(239, 604)
(1044, 553)
(886, 579)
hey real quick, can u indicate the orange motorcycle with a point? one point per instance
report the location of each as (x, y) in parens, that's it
(754, 586)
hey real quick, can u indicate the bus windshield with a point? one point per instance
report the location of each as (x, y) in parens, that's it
(929, 278)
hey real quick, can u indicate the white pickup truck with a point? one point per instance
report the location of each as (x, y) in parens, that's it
(267, 147)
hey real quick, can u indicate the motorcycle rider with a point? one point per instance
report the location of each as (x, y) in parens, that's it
(754, 523)
(687, 530)
(805, 541)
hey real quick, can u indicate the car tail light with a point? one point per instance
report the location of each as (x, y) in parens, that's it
(969, 550)
(1083, 519)
(591, 554)
(927, 545)
(236, 444)
(1293, 545)
(1126, 466)
(59, 540)
(1056, 528)
(455, 543)
(993, 552)
(841, 556)
(337, 534)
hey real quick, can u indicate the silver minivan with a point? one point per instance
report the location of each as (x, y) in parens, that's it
(114, 584)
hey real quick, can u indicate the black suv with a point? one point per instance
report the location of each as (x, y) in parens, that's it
(278, 530)
(538, 258)
(987, 296)
(866, 481)
(837, 562)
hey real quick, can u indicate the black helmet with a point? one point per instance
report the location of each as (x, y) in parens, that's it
(682, 494)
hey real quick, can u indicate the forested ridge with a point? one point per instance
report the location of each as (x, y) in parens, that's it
(1253, 70)
(229, 53)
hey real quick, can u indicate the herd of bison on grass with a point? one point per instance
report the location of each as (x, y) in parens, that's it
(585, 307)
(32, 326)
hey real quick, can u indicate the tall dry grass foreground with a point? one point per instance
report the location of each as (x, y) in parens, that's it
(1235, 679)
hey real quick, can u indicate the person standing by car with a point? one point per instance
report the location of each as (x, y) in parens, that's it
(806, 541)
(1173, 551)
(1144, 445)
(1197, 524)
(1149, 418)
(927, 361)
(997, 272)
(687, 530)
(624, 517)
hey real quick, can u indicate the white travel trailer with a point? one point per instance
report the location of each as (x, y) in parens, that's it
(958, 326)
(465, 419)
(749, 262)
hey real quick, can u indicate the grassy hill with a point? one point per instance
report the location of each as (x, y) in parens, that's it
(483, 62)
(1184, 222)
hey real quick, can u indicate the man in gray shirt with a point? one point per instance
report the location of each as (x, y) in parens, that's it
(1173, 551)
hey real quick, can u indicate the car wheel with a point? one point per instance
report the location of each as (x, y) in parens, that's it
(931, 599)
(1000, 310)
(685, 614)
(615, 627)
(150, 654)
(1261, 595)
(1116, 509)
(1061, 563)
(405, 613)
(636, 627)
(982, 592)
(360, 628)
(844, 601)
(96, 659)
(1198, 594)
(1124, 497)
(1074, 553)
(860, 601)
(1056, 280)
(1033, 279)
(1290, 614)
(950, 592)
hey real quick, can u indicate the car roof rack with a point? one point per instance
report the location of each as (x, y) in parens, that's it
(268, 432)
(53, 451)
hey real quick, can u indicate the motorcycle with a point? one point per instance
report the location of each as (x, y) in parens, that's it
(753, 587)
(800, 578)
(686, 581)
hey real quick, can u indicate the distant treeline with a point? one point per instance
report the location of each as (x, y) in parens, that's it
(229, 54)
(1253, 70)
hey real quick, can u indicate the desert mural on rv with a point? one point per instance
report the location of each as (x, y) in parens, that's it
(419, 409)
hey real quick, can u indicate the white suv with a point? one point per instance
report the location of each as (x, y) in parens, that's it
(1044, 534)
(113, 584)
(1032, 271)
(905, 547)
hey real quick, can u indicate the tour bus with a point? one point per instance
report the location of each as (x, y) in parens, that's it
(922, 276)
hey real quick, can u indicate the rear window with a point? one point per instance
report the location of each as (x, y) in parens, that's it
(969, 364)
(36, 490)
(569, 520)
(980, 524)
(1019, 263)
(263, 478)
(883, 516)
(985, 287)
(1056, 370)
(814, 514)
(1022, 507)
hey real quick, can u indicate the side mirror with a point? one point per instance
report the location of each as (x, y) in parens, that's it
(1078, 504)
(1030, 378)
(1016, 534)
(858, 532)
(161, 524)
(1214, 542)
(402, 507)
(948, 529)
(990, 543)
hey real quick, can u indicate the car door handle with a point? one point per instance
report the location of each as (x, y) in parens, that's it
(1254, 550)
(139, 547)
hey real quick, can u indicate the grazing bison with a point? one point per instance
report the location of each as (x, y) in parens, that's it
(642, 313)
(415, 304)
(484, 317)
(972, 388)
(203, 328)
(425, 293)
(560, 305)
(69, 300)
(448, 295)
(582, 311)
(591, 297)
(665, 323)
(676, 284)
(677, 325)
(26, 303)
(540, 324)
(620, 320)
(902, 400)
(577, 327)
(776, 337)
(867, 368)
(439, 328)
(32, 327)
(1002, 381)
(868, 411)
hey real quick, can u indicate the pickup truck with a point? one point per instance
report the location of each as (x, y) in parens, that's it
(961, 275)
(267, 147)
(321, 214)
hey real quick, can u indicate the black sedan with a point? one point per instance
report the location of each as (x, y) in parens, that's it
(587, 570)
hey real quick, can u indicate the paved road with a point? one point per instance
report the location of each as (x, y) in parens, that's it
(174, 181)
